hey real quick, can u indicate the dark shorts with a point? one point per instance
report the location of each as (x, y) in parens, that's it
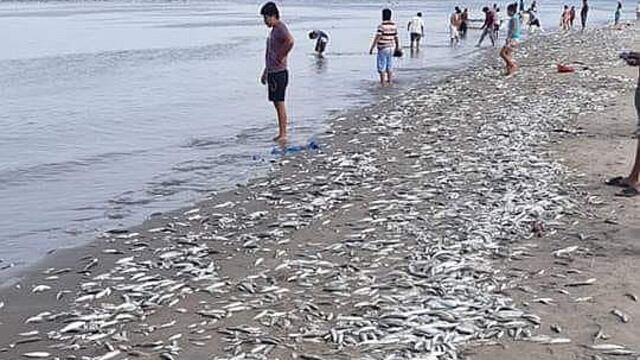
(415, 37)
(321, 45)
(277, 84)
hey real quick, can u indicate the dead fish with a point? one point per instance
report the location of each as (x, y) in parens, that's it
(72, 327)
(620, 315)
(556, 328)
(601, 347)
(110, 355)
(37, 318)
(590, 281)
(40, 288)
(36, 355)
(565, 251)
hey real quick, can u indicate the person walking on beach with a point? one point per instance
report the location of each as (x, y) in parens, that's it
(454, 26)
(464, 23)
(631, 183)
(616, 17)
(513, 37)
(321, 38)
(584, 13)
(415, 27)
(387, 43)
(572, 16)
(275, 74)
(534, 21)
(487, 27)
(565, 17)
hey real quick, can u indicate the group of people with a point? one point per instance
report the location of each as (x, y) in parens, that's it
(458, 25)
(568, 16)
(386, 42)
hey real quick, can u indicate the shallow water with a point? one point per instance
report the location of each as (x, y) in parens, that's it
(112, 111)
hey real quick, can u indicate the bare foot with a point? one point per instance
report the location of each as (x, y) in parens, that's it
(280, 139)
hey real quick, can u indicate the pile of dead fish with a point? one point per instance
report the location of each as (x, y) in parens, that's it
(383, 246)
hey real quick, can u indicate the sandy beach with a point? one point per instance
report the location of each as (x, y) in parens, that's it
(461, 219)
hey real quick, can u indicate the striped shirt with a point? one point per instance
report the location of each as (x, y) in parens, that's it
(387, 32)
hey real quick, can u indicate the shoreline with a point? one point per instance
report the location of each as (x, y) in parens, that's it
(310, 217)
(471, 54)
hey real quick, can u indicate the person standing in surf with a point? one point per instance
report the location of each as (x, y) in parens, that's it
(464, 23)
(513, 38)
(572, 16)
(565, 17)
(387, 42)
(275, 74)
(415, 27)
(616, 17)
(454, 26)
(584, 13)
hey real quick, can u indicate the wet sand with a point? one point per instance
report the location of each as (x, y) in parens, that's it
(439, 208)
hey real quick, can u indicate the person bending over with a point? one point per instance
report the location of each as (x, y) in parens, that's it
(321, 38)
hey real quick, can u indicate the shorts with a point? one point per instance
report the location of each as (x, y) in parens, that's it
(415, 36)
(277, 83)
(321, 44)
(384, 59)
(453, 32)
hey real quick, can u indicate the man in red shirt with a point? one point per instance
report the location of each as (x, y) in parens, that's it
(488, 26)
(275, 74)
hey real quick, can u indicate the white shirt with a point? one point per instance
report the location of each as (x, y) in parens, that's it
(416, 25)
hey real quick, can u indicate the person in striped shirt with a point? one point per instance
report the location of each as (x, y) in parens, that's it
(387, 43)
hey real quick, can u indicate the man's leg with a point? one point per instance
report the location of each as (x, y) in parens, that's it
(634, 177)
(382, 77)
(281, 111)
(389, 76)
(484, 33)
(504, 55)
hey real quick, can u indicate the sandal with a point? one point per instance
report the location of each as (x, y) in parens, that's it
(619, 181)
(629, 192)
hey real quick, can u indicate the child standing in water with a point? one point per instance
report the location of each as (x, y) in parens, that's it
(513, 37)
(386, 41)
